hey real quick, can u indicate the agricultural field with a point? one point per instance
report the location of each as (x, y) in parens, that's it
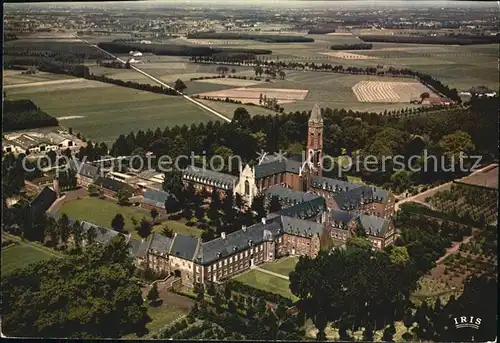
(16, 77)
(283, 266)
(266, 282)
(22, 254)
(477, 202)
(101, 212)
(389, 92)
(89, 107)
(251, 95)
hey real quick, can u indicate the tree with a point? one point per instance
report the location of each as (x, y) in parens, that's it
(172, 204)
(424, 95)
(453, 144)
(118, 222)
(282, 74)
(180, 86)
(389, 333)
(359, 243)
(398, 255)
(274, 204)
(87, 295)
(123, 196)
(258, 205)
(154, 213)
(241, 116)
(63, 226)
(167, 232)
(144, 229)
(233, 70)
(90, 235)
(93, 190)
(227, 291)
(153, 294)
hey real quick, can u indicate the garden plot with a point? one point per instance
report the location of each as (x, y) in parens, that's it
(389, 92)
(252, 95)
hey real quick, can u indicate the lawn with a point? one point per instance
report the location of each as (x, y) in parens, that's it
(102, 212)
(162, 316)
(283, 266)
(266, 282)
(21, 255)
(104, 111)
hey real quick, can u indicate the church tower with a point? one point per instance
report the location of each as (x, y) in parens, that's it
(314, 152)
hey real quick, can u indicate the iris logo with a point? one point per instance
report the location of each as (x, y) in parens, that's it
(467, 322)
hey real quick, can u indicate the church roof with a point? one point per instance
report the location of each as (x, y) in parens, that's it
(316, 114)
(209, 177)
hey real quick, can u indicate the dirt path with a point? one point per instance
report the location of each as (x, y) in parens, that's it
(431, 191)
(454, 249)
(43, 83)
(272, 273)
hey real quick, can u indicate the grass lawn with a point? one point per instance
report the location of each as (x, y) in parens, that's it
(21, 255)
(283, 266)
(101, 112)
(102, 212)
(266, 282)
(179, 228)
(354, 179)
(161, 317)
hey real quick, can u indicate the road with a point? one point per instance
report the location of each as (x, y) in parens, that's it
(151, 77)
(435, 189)
(454, 249)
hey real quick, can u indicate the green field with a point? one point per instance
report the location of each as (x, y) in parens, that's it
(15, 77)
(162, 316)
(228, 108)
(104, 111)
(266, 282)
(101, 212)
(21, 255)
(283, 266)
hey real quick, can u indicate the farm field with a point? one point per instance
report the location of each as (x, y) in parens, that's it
(15, 77)
(21, 255)
(227, 108)
(331, 90)
(465, 200)
(101, 111)
(389, 92)
(283, 266)
(231, 82)
(266, 282)
(251, 95)
(101, 212)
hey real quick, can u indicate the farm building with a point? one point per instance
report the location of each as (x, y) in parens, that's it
(34, 142)
(135, 53)
(434, 101)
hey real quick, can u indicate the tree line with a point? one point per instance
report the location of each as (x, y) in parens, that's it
(443, 40)
(249, 36)
(379, 70)
(24, 114)
(175, 49)
(355, 46)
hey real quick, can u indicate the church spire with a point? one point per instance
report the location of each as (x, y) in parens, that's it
(315, 139)
(316, 114)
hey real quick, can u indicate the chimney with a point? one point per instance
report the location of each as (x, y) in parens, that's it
(55, 185)
(223, 235)
(244, 228)
(263, 220)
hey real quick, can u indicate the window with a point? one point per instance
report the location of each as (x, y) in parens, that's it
(230, 260)
(281, 178)
(236, 258)
(261, 248)
(246, 253)
(220, 264)
(247, 187)
(225, 262)
(279, 240)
